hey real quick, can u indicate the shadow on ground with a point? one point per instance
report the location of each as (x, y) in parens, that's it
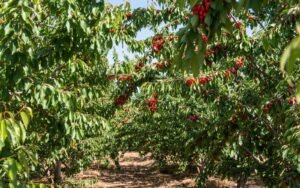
(137, 171)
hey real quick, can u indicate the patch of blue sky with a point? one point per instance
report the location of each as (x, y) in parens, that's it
(122, 49)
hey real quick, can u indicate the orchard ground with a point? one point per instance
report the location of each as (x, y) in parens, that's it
(140, 171)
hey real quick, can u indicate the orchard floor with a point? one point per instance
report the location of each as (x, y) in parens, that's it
(137, 171)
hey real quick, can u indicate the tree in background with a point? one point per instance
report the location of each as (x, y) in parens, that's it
(215, 100)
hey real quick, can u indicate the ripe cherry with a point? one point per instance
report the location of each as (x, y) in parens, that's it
(121, 100)
(157, 43)
(111, 77)
(227, 73)
(201, 10)
(239, 62)
(129, 15)
(190, 82)
(193, 118)
(204, 79)
(233, 70)
(292, 101)
(159, 65)
(237, 24)
(204, 38)
(152, 102)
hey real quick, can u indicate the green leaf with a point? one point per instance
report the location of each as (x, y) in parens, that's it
(3, 133)
(208, 20)
(290, 56)
(195, 63)
(24, 161)
(83, 25)
(25, 119)
(298, 92)
(180, 3)
(12, 171)
(68, 26)
(195, 21)
(11, 132)
(22, 133)
(7, 29)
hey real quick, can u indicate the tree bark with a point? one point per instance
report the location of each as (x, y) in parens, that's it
(57, 173)
(242, 181)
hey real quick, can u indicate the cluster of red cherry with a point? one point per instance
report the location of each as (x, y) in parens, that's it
(139, 66)
(120, 77)
(202, 80)
(162, 65)
(211, 51)
(152, 102)
(193, 118)
(157, 43)
(121, 100)
(238, 64)
(124, 78)
(201, 10)
(291, 101)
(111, 77)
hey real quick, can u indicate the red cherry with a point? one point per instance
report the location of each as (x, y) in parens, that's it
(237, 24)
(196, 9)
(292, 101)
(125, 78)
(233, 70)
(227, 73)
(121, 100)
(157, 38)
(153, 108)
(239, 62)
(190, 82)
(159, 65)
(270, 105)
(151, 102)
(129, 15)
(203, 80)
(267, 107)
(157, 43)
(111, 77)
(193, 118)
(201, 10)
(139, 66)
(171, 38)
(204, 38)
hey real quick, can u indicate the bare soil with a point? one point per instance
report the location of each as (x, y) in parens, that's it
(136, 171)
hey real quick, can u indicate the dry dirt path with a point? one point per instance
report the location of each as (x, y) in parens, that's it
(137, 171)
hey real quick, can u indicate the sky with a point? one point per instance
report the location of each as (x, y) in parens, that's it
(134, 3)
(143, 34)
